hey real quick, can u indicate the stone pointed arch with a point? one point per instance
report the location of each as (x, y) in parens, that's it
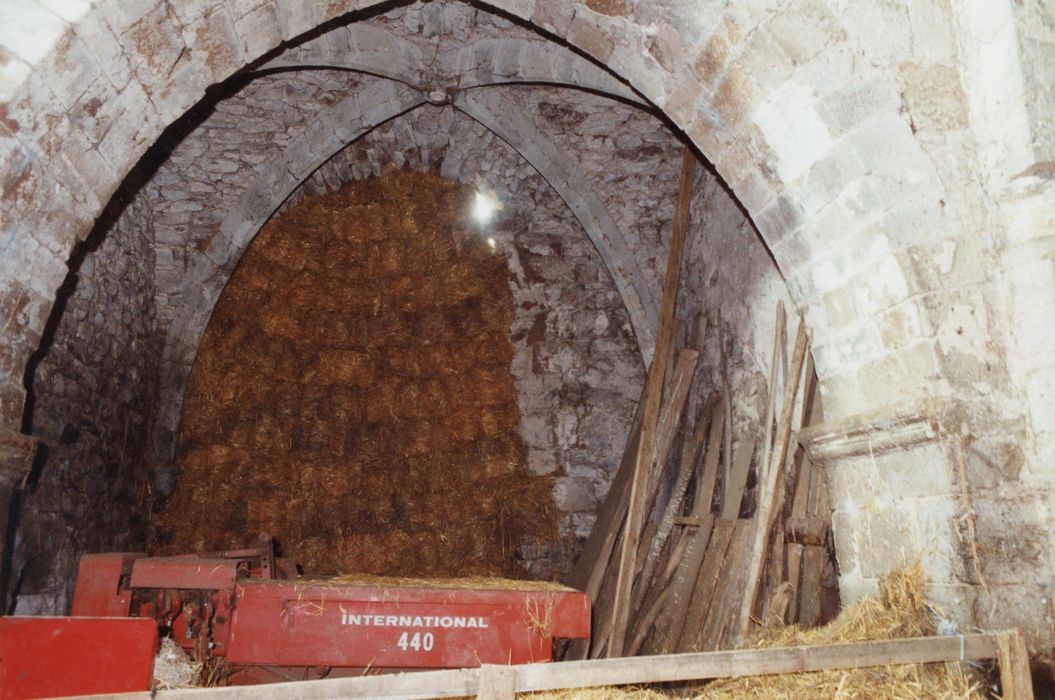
(517, 129)
(202, 284)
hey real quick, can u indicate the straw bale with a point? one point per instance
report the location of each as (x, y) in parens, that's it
(352, 395)
(344, 368)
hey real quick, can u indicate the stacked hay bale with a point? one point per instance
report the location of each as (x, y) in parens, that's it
(352, 394)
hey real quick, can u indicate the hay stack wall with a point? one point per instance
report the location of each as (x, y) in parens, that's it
(352, 394)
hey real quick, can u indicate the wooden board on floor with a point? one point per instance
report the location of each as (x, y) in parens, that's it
(627, 671)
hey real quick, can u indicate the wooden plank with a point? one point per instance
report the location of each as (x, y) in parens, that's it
(777, 605)
(776, 564)
(670, 418)
(809, 610)
(734, 487)
(727, 591)
(672, 618)
(497, 682)
(449, 683)
(607, 672)
(726, 634)
(708, 586)
(601, 618)
(807, 530)
(752, 662)
(652, 606)
(591, 568)
(644, 623)
(674, 407)
(593, 562)
(769, 501)
(705, 485)
(796, 553)
(807, 481)
(635, 510)
(727, 407)
(779, 339)
(690, 453)
(1015, 680)
(593, 559)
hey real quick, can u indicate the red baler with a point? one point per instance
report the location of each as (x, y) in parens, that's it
(269, 624)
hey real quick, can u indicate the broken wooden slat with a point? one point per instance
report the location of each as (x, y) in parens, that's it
(635, 511)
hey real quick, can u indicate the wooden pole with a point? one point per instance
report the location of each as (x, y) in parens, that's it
(769, 483)
(779, 339)
(635, 512)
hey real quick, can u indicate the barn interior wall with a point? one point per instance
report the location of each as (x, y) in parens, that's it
(896, 159)
(93, 395)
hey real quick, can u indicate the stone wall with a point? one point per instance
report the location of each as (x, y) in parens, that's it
(92, 397)
(730, 278)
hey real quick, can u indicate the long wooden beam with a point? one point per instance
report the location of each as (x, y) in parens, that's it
(635, 514)
(620, 671)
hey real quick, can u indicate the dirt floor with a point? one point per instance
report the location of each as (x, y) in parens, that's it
(352, 394)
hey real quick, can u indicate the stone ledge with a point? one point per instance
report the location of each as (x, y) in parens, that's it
(897, 428)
